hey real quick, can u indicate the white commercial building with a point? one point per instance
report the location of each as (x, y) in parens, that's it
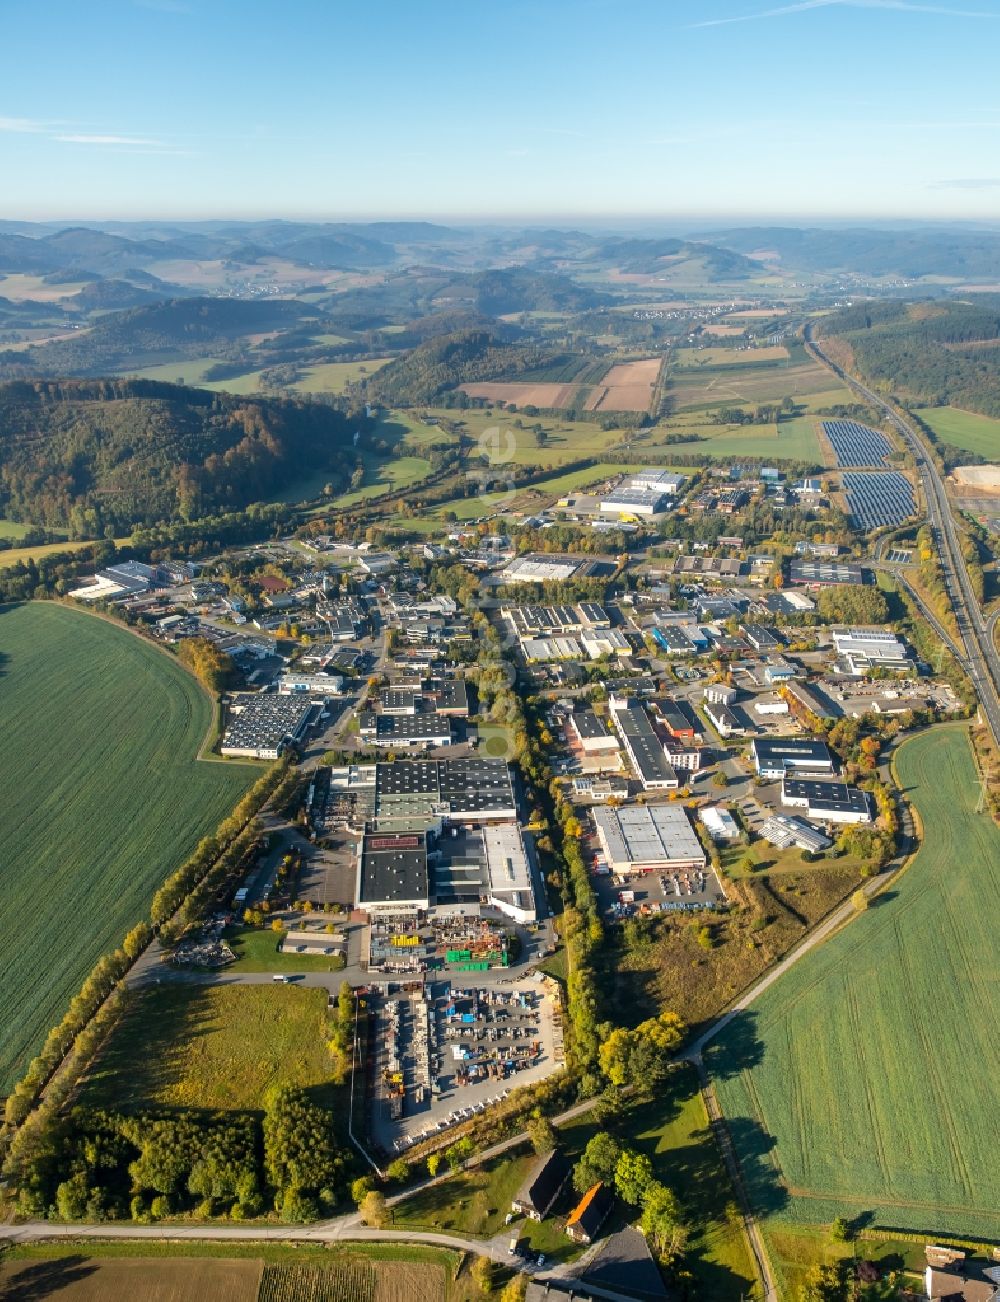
(662, 481)
(606, 642)
(864, 648)
(719, 823)
(508, 871)
(647, 838)
(537, 569)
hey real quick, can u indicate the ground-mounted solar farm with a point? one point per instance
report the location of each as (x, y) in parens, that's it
(856, 445)
(878, 498)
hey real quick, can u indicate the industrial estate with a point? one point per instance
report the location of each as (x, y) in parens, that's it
(501, 771)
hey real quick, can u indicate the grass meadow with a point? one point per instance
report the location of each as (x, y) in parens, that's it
(102, 799)
(964, 429)
(864, 1083)
(795, 439)
(565, 440)
(212, 1046)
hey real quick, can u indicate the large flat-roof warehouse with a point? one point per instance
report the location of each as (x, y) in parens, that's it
(392, 872)
(262, 726)
(647, 838)
(458, 790)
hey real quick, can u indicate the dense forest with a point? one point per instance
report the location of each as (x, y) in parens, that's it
(104, 455)
(938, 354)
(462, 358)
(141, 336)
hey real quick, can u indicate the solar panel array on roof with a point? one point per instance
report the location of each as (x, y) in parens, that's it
(876, 499)
(469, 787)
(856, 445)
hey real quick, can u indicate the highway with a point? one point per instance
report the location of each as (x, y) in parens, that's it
(981, 659)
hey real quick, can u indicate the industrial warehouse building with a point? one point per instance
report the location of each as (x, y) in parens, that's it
(462, 791)
(405, 730)
(774, 758)
(647, 838)
(264, 726)
(393, 876)
(643, 746)
(590, 735)
(829, 802)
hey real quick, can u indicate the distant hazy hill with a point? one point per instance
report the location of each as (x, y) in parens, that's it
(519, 289)
(126, 247)
(87, 454)
(647, 257)
(141, 336)
(442, 364)
(909, 253)
(116, 295)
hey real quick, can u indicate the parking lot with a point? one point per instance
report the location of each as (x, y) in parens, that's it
(450, 1050)
(668, 891)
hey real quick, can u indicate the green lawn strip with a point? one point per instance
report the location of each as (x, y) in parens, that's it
(847, 1086)
(383, 475)
(673, 1131)
(494, 739)
(103, 798)
(213, 1046)
(772, 862)
(257, 950)
(268, 1250)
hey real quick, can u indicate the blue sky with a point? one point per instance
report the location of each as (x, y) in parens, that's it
(555, 109)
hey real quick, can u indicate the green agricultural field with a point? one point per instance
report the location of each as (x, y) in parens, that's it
(494, 432)
(102, 799)
(12, 555)
(794, 439)
(334, 377)
(383, 475)
(733, 386)
(11, 529)
(191, 371)
(697, 358)
(212, 1046)
(865, 1082)
(964, 429)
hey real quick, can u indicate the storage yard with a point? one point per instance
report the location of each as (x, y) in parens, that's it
(444, 1052)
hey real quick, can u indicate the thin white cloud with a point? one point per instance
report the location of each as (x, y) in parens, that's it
(137, 141)
(26, 125)
(803, 6)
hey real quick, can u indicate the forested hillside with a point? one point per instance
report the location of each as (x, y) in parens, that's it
(940, 353)
(142, 336)
(441, 364)
(88, 456)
